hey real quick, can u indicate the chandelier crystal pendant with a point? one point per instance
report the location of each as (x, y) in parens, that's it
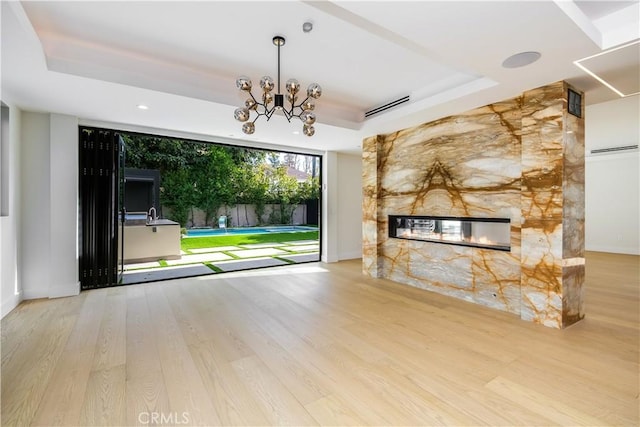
(270, 103)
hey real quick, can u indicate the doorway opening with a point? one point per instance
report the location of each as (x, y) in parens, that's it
(189, 208)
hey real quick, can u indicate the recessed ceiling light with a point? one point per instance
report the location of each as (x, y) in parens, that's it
(521, 59)
(142, 107)
(296, 132)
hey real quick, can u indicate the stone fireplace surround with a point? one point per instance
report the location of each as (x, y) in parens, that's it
(521, 159)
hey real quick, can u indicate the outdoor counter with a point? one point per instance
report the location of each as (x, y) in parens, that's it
(151, 241)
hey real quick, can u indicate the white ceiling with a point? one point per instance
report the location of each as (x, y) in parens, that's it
(99, 60)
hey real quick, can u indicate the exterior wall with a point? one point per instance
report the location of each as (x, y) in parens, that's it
(513, 159)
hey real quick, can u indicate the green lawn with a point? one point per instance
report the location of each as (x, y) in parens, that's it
(188, 243)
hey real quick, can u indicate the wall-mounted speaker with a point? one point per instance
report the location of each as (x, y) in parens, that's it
(575, 103)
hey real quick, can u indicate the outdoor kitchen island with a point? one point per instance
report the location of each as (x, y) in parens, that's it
(151, 240)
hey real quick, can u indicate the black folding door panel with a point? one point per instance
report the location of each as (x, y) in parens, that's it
(99, 150)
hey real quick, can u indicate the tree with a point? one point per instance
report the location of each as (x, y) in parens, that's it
(291, 160)
(155, 152)
(283, 191)
(274, 159)
(308, 190)
(214, 177)
(257, 189)
(177, 193)
(209, 176)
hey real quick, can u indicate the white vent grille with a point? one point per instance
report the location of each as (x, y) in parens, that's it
(387, 106)
(614, 149)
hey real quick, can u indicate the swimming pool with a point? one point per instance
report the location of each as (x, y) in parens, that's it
(204, 232)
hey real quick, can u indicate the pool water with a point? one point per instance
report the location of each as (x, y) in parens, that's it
(204, 232)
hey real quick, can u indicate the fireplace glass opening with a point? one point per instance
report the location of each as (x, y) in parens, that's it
(489, 233)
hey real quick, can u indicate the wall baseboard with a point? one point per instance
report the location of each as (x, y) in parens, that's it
(349, 255)
(10, 304)
(329, 259)
(65, 291)
(613, 249)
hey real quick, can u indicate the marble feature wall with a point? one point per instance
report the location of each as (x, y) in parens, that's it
(370, 157)
(552, 208)
(521, 159)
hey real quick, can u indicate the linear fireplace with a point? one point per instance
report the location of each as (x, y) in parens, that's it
(487, 233)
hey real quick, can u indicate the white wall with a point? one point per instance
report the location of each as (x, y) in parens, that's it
(49, 168)
(612, 181)
(349, 206)
(36, 205)
(63, 193)
(329, 207)
(10, 289)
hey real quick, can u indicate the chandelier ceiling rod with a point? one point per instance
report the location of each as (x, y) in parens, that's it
(303, 110)
(277, 42)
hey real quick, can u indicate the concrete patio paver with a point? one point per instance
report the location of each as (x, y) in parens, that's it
(249, 263)
(301, 248)
(251, 256)
(262, 245)
(249, 253)
(302, 242)
(137, 265)
(313, 256)
(165, 273)
(191, 259)
(216, 249)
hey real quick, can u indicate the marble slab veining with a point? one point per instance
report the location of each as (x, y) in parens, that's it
(521, 159)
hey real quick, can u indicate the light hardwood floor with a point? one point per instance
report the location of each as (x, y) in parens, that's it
(318, 344)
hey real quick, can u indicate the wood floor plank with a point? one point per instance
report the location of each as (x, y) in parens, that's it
(36, 317)
(319, 344)
(104, 400)
(278, 404)
(111, 348)
(206, 324)
(62, 401)
(583, 393)
(486, 407)
(558, 412)
(186, 391)
(257, 329)
(232, 400)
(361, 400)
(26, 375)
(146, 391)
(333, 411)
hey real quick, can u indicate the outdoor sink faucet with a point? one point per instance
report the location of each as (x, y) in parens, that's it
(154, 216)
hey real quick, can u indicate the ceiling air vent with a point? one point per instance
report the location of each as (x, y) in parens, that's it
(614, 149)
(387, 106)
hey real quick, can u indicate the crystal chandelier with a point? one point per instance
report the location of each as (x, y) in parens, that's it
(272, 102)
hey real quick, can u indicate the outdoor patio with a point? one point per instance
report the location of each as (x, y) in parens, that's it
(201, 261)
